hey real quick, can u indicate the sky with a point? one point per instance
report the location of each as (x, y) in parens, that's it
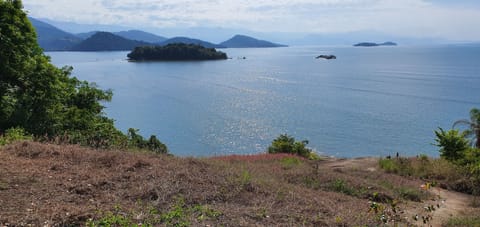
(456, 20)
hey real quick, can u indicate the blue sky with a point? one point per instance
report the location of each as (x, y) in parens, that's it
(446, 19)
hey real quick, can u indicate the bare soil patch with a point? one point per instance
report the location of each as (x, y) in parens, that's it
(43, 184)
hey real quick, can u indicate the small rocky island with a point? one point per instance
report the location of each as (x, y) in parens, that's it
(369, 44)
(175, 52)
(328, 57)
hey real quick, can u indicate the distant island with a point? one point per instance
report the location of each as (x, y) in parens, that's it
(368, 44)
(106, 41)
(242, 41)
(175, 52)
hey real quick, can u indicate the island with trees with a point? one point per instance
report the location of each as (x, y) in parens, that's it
(370, 44)
(175, 52)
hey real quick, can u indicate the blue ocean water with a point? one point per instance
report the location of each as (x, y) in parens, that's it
(367, 102)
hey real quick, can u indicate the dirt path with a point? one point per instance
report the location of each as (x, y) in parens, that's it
(367, 163)
(446, 204)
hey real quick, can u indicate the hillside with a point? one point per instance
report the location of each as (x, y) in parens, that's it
(51, 38)
(130, 34)
(86, 35)
(67, 185)
(241, 41)
(141, 36)
(105, 41)
(187, 40)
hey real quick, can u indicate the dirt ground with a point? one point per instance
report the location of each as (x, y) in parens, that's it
(58, 185)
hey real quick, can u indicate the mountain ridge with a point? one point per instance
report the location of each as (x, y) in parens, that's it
(106, 41)
(52, 38)
(187, 40)
(243, 41)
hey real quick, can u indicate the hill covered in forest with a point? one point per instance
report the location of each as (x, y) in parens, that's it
(106, 41)
(242, 41)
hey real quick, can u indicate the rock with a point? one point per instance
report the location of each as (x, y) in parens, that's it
(328, 57)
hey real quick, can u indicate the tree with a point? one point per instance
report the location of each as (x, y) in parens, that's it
(18, 52)
(453, 144)
(43, 99)
(287, 144)
(474, 125)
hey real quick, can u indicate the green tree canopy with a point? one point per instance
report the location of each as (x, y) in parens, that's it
(452, 143)
(43, 99)
(287, 144)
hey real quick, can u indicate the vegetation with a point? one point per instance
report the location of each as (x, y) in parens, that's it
(474, 127)
(152, 144)
(452, 143)
(175, 52)
(13, 135)
(464, 221)
(45, 101)
(287, 144)
(459, 165)
(112, 188)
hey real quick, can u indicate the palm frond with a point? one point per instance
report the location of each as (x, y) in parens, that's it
(463, 122)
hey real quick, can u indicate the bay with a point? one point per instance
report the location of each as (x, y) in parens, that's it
(367, 102)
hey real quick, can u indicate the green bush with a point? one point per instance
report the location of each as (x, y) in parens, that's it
(452, 143)
(287, 144)
(135, 140)
(289, 162)
(12, 135)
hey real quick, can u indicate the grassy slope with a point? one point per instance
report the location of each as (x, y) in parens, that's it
(49, 184)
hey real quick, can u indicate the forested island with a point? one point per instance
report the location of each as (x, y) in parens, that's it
(369, 44)
(175, 52)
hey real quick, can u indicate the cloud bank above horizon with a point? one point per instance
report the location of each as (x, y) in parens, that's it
(452, 20)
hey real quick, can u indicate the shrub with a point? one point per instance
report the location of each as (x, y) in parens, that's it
(135, 140)
(12, 135)
(452, 143)
(289, 162)
(287, 144)
(341, 186)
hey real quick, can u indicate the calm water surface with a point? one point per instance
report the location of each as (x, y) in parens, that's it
(368, 102)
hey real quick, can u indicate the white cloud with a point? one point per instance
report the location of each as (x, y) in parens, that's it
(406, 17)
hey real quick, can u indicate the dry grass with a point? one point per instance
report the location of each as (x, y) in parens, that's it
(68, 185)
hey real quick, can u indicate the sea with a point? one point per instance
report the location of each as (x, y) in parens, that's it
(370, 101)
